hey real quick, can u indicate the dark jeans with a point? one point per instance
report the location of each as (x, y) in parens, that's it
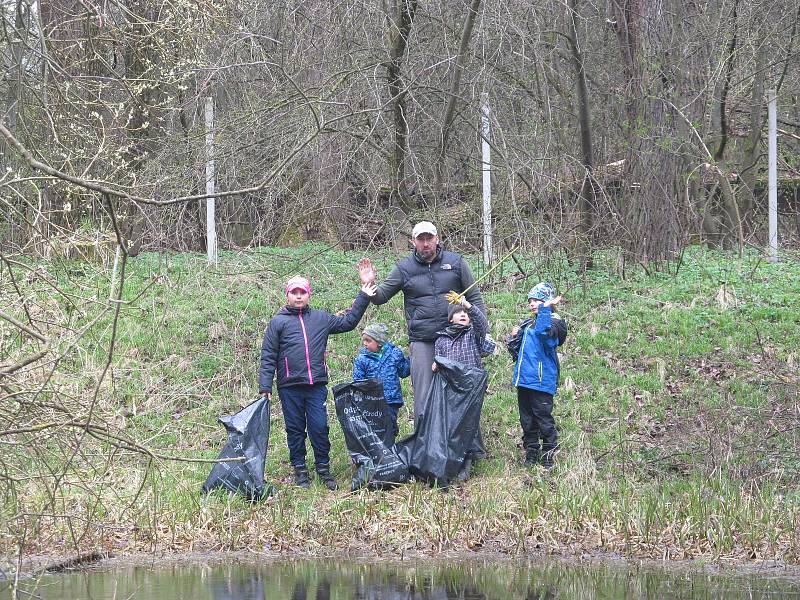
(536, 418)
(304, 405)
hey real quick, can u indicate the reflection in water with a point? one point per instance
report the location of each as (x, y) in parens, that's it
(541, 592)
(325, 580)
(247, 587)
(299, 592)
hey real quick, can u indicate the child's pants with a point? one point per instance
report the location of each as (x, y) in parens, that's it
(536, 418)
(394, 409)
(304, 406)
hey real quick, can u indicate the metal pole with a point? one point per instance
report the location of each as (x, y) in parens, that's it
(486, 169)
(211, 228)
(772, 103)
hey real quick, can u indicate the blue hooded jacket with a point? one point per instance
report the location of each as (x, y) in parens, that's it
(534, 349)
(389, 367)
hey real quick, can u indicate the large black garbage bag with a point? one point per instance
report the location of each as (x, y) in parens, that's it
(369, 433)
(448, 430)
(248, 435)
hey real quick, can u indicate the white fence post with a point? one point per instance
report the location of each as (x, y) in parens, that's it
(486, 169)
(772, 104)
(211, 227)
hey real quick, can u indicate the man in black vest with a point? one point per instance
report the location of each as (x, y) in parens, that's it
(424, 277)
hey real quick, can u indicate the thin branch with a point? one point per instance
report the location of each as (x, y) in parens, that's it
(5, 316)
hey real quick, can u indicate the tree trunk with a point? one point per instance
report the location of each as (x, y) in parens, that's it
(752, 149)
(16, 38)
(452, 98)
(652, 167)
(712, 207)
(401, 24)
(588, 187)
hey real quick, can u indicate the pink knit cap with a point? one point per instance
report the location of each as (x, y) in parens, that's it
(298, 283)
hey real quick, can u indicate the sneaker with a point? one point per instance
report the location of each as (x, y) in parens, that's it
(301, 478)
(324, 474)
(547, 459)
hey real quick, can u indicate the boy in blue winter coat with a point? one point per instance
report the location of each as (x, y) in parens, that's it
(380, 359)
(533, 345)
(293, 354)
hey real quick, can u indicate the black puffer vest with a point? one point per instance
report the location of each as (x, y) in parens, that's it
(424, 289)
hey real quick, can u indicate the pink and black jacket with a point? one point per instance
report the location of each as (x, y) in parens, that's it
(293, 351)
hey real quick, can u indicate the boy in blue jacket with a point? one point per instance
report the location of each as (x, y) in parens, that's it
(380, 359)
(533, 345)
(293, 353)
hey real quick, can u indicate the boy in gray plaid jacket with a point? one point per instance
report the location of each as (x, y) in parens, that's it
(465, 341)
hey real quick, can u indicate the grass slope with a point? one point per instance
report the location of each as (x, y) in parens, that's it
(678, 416)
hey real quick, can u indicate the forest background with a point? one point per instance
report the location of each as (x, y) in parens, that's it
(626, 135)
(624, 123)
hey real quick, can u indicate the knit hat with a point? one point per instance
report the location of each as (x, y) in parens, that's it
(454, 308)
(542, 291)
(378, 332)
(298, 283)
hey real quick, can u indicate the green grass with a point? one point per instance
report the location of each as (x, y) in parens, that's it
(678, 415)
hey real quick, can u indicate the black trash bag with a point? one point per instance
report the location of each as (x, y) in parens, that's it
(369, 434)
(248, 435)
(448, 430)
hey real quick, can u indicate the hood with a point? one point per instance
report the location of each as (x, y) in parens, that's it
(291, 310)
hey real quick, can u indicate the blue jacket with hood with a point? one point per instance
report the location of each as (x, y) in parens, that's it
(293, 351)
(389, 367)
(534, 350)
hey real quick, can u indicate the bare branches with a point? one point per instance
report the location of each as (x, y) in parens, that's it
(107, 189)
(23, 327)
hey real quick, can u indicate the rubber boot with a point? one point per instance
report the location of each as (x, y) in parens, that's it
(463, 474)
(548, 459)
(301, 478)
(532, 458)
(324, 474)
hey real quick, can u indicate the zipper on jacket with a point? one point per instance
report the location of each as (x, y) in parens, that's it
(305, 342)
(540, 371)
(433, 283)
(286, 363)
(519, 359)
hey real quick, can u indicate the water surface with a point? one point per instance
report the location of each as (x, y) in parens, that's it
(326, 580)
